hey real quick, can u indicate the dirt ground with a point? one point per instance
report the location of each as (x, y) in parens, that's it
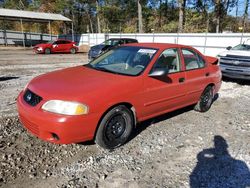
(180, 149)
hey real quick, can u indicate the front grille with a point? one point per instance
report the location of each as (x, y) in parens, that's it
(238, 56)
(31, 98)
(30, 126)
(239, 62)
(238, 65)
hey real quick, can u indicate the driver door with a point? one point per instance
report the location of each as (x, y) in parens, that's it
(58, 46)
(165, 93)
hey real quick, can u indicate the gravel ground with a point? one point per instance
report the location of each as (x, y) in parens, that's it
(180, 149)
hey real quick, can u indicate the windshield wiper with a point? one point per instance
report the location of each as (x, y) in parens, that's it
(104, 69)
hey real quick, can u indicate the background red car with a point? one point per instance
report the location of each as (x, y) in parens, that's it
(60, 45)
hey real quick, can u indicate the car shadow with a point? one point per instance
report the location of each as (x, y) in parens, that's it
(140, 127)
(238, 81)
(5, 78)
(215, 167)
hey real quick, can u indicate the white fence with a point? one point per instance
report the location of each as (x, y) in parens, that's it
(207, 43)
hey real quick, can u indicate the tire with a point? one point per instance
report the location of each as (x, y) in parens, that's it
(47, 51)
(115, 128)
(205, 101)
(72, 50)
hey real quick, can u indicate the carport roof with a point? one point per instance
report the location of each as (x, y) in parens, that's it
(11, 14)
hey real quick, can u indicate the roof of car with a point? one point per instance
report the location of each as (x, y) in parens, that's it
(122, 39)
(64, 40)
(157, 45)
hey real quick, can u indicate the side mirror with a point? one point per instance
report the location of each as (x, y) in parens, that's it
(229, 48)
(158, 72)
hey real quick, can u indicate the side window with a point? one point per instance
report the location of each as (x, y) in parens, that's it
(130, 41)
(192, 59)
(59, 42)
(66, 42)
(170, 60)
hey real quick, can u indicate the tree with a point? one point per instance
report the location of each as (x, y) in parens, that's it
(97, 17)
(245, 17)
(182, 6)
(140, 25)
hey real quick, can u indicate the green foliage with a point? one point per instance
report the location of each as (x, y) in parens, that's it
(122, 15)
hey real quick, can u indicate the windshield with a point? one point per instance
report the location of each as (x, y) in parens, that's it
(126, 60)
(243, 47)
(50, 42)
(111, 42)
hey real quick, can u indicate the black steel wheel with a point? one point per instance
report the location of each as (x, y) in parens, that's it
(47, 51)
(115, 128)
(206, 100)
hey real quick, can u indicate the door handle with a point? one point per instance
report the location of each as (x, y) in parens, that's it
(207, 74)
(181, 80)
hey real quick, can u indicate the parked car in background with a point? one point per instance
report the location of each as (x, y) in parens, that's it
(105, 99)
(96, 50)
(235, 61)
(60, 45)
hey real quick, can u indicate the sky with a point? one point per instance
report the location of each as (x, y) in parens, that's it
(240, 9)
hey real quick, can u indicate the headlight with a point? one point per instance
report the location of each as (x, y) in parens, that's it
(65, 107)
(40, 49)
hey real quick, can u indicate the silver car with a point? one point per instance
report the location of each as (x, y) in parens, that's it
(235, 62)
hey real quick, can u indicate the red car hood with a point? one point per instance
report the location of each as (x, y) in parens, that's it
(79, 83)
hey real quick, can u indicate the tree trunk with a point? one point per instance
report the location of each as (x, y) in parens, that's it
(97, 17)
(160, 14)
(140, 26)
(218, 14)
(237, 8)
(182, 6)
(245, 16)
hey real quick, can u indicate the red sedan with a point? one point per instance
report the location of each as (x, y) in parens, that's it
(105, 99)
(59, 46)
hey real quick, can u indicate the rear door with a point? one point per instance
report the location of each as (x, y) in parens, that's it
(68, 45)
(163, 94)
(197, 74)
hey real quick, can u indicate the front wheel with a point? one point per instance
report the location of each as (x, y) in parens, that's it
(47, 51)
(205, 101)
(115, 128)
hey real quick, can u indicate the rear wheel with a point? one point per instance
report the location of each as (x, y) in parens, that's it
(115, 128)
(72, 50)
(47, 51)
(205, 101)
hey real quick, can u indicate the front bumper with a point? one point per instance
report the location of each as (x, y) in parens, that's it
(38, 50)
(93, 54)
(60, 129)
(235, 72)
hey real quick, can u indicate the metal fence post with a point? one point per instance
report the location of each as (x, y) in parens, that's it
(23, 33)
(177, 40)
(241, 38)
(30, 39)
(72, 27)
(205, 44)
(89, 39)
(5, 33)
(5, 37)
(50, 32)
